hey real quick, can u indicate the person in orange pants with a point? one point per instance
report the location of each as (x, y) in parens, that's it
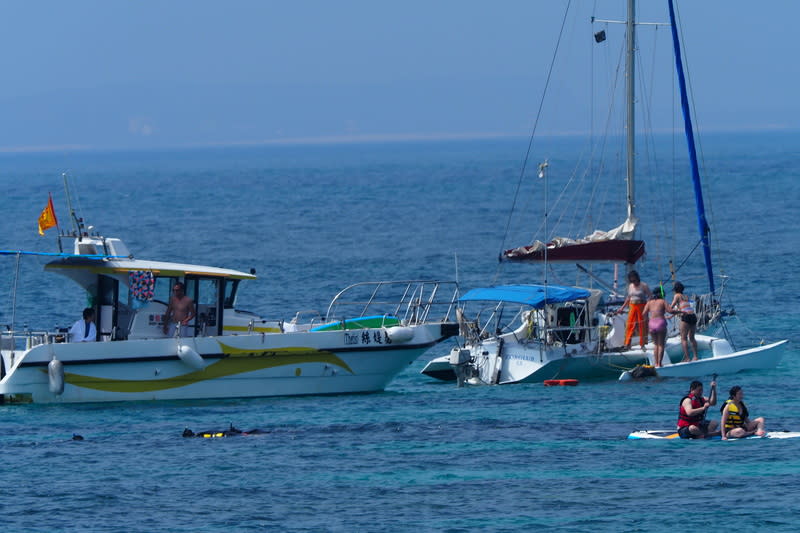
(635, 299)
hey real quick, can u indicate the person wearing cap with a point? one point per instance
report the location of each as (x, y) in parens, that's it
(692, 423)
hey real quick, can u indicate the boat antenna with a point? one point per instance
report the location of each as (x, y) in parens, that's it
(77, 223)
(702, 223)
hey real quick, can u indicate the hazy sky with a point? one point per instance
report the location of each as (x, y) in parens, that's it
(128, 74)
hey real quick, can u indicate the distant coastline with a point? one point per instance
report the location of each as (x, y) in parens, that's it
(355, 140)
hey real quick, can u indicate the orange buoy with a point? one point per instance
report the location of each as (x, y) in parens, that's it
(560, 382)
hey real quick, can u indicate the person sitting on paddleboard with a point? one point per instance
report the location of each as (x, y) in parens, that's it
(735, 421)
(692, 423)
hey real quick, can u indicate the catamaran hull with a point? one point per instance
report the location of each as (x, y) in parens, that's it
(583, 367)
(526, 364)
(288, 364)
(522, 367)
(715, 361)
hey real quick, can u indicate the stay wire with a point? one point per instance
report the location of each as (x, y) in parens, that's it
(533, 132)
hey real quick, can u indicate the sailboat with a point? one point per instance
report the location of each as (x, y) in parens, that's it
(546, 332)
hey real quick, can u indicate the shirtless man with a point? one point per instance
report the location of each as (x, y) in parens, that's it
(179, 311)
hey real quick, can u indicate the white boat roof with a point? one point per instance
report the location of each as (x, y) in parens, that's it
(110, 265)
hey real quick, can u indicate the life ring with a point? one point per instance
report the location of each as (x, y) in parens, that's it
(560, 382)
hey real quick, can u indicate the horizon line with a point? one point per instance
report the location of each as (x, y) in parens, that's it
(344, 139)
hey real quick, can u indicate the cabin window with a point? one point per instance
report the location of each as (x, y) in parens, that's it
(230, 293)
(163, 290)
(205, 292)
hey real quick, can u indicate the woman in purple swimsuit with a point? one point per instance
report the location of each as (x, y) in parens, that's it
(655, 311)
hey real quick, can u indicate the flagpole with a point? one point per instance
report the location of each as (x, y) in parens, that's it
(14, 297)
(58, 228)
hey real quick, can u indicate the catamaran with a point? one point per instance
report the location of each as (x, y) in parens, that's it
(531, 333)
(370, 333)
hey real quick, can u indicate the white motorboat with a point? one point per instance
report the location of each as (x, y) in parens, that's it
(369, 334)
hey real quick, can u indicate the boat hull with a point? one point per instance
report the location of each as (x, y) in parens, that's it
(440, 368)
(236, 366)
(526, 363)
(711, 362)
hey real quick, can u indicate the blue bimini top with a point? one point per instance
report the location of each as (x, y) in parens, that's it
(533, 295)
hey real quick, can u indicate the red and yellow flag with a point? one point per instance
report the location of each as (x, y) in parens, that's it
(48, 217)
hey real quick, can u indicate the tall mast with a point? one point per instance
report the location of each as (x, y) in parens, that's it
(702, 223)
(630, 93)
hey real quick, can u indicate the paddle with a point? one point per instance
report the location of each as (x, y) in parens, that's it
(714, 393)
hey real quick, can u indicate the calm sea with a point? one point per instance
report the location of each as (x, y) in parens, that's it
(423, 455)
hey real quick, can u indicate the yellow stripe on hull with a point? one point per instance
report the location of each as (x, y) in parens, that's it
(238, 362)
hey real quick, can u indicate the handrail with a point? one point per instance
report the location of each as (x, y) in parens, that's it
(412, 301)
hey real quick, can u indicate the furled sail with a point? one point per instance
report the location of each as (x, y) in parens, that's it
(615, 245)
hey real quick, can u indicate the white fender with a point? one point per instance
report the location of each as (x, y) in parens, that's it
(400, 334)
(190, 357)
(55, 375)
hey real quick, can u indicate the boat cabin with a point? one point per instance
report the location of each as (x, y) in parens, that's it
(553, 314)
(130, 296)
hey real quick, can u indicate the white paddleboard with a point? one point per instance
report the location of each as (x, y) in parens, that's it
(672, 434)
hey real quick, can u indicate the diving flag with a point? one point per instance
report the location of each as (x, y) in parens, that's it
(48, 217)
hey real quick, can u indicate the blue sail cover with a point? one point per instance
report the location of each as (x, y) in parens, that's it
(533, 295)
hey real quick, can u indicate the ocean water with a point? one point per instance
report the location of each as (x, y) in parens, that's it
(422, 455)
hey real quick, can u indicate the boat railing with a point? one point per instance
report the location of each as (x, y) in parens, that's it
(410, 301)
(11, 340)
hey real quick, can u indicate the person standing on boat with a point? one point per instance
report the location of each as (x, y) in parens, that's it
(635, 299)
(180, 312)
(735, 422)
(655, 312)
(84, 329)
(692, 423)
(688, 325)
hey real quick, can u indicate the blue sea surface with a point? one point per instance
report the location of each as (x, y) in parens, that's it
(422, 455)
